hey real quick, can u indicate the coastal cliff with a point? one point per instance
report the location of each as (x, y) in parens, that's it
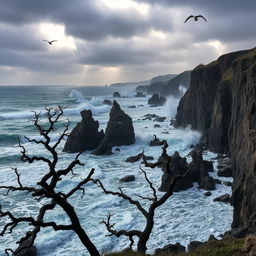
(221, 104)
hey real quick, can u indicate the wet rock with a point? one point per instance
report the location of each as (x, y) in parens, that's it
(225, 172)
(103, 149)
(133, 159)
(132, 106)
(107, 102)
(227, 183)
(217, 181)
(172, 122)
(160, 119)
(128, 178)
(207, 183)
(208, 193)
(151, 115)
(224, 199)
(140, 95)
(156, 142)
(157, 126)
(194, 244)
(156, 100)
(170, 248)
(119, 130)
(118, 149)
(116, 95)
(85, 136)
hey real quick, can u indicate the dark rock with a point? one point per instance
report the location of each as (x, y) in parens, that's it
(207, 183)
(239, 232)
(156, 100)
(227, 183)
(157, 126)
(140, 105)
(212, 238)
(225, 172)
(140, 95)
(118, 149)
(85, 136)
(133, 106)
(224, 199)
(170, 248)
(208, 193)
(147, 118)
(194, 244)
(133, 159)
(128, 178)
(156, 142)
(160, 119)
(116, 95)
(172, 122)
(29, 251)
(107, 102)
(119, 131)
(217, 181)
(151, 115)
(103, 149)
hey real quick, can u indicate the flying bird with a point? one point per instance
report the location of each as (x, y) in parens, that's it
(195, 18)
(50, 42)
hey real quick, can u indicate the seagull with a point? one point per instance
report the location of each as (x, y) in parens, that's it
(50, 42)
(195, 18)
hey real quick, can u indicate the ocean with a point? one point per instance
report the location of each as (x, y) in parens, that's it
(186, 216)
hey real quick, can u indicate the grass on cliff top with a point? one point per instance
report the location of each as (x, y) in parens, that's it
(249, 55)
(226, 247)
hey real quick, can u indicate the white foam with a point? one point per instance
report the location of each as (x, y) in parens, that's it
(77, 96)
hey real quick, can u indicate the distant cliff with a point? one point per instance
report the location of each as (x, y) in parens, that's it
(221, 103)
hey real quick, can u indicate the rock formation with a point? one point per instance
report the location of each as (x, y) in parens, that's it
(140, 95)
(85, 136)
(221, 103)
(119, 131)
(116, 95)
(156, 100)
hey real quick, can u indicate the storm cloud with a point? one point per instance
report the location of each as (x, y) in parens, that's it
(105, 41)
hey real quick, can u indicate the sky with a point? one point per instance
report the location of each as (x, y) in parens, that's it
(107, 41)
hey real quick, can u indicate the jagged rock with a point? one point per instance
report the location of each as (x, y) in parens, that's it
(194, 244)
(103, 149)
(160, 119)
(172, 122)
(224, 199)
(170, 248)
(133, 159)
(30, 251)
(208, 193)
(140, 95)
(156, 100)
(128, 178)
(249, 246)
(107, 102)
(116, 95)
(156, 142)
(157, 126)
(85, 136)
(132, 106)
(119, 130)
(177, 165)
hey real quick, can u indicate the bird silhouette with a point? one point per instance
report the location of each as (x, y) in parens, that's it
(50, 42)
(195, 18)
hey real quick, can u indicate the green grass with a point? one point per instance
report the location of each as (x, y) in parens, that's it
(226, 247)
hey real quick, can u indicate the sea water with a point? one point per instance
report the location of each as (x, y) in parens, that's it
(186, 216)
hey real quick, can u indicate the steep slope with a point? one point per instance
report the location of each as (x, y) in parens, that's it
(221, 103)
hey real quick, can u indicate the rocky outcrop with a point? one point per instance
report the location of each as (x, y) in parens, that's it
(156, 100)
(224, 198)
(127, 178)
(85, 136)
(119, 131)
(221, 103)
(170, 249)
(140, 95)
(116, 95)
(107, 102)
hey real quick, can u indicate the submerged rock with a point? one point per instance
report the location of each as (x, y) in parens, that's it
(85, 136)
(140, 95)
(119, 131)
(224, 199)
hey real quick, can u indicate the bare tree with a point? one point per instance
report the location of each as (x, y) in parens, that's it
(46, 187)
(149, 213)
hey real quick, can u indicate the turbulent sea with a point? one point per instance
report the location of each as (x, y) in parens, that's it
(186, 216)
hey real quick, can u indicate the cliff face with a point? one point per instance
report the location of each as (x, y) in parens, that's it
(221, 103)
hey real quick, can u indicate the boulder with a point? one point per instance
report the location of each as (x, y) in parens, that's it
(132, 106)
(170, 248)
(157, 126)
(119, 130)
(85, 135)
(156, 142)
(151, 115)
(208, 193)
(107, 102)
(224, 199)
(225, 172)
(133, 159)
(128, 178)
(156, 100)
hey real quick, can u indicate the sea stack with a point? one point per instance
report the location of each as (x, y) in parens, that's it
(85, 136)
(119, 130)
